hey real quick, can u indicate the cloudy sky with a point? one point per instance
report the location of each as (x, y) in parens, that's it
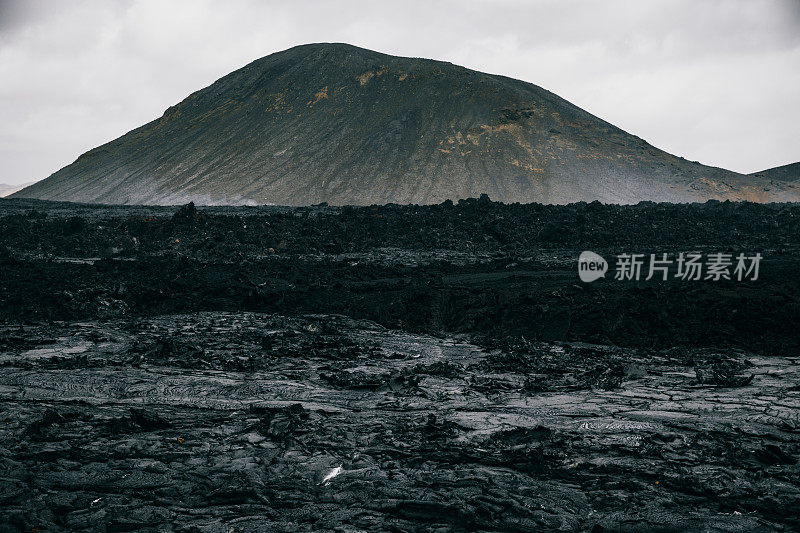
(712, 80)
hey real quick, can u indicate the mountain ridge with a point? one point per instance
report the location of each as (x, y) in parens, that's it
(790, 172)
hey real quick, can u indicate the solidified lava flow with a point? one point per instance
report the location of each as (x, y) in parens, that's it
(395, 368)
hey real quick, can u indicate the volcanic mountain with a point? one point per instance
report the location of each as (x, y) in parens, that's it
(790, 172)
(344, 125)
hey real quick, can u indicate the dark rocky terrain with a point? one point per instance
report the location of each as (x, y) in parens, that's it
(339, 124)
(394, 368)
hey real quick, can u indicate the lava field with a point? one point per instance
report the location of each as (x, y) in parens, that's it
(395, 368)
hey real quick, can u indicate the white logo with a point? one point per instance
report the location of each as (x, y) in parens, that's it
(685, 266)
(591, 267)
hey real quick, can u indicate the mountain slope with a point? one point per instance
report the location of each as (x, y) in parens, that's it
(6, 189)
(790, 172)
(339, 124)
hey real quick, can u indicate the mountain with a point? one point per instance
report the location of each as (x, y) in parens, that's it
(6, 189)
(340, 124)
(790, 172)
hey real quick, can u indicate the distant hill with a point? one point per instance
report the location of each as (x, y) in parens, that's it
(790, 172)
(340, 124)
(6, 189)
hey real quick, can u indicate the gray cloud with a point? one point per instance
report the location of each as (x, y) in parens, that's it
(711, 80)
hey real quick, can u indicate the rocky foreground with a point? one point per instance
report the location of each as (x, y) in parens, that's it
(437, 368)
(250, 422)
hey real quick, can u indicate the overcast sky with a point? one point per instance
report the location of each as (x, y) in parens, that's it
(711, 80)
